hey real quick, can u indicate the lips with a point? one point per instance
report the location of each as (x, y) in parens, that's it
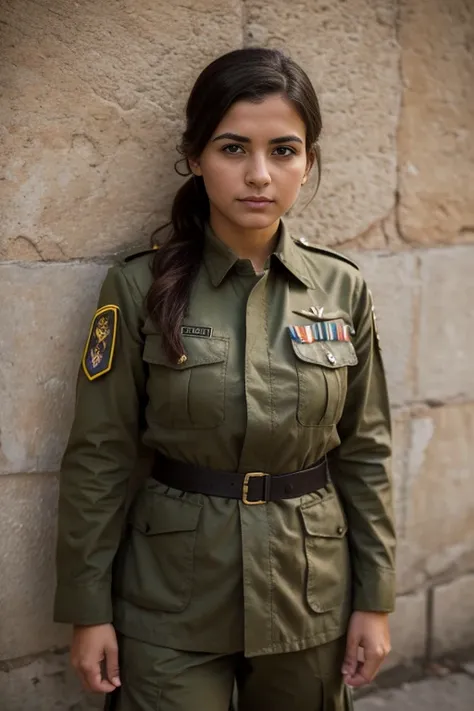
(256, 198)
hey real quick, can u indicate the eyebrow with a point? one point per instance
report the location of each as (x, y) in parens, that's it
(245, 139)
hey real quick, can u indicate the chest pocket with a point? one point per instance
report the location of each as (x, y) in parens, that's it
(321, 368)
(190, 395)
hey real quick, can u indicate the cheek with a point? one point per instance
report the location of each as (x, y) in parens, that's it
(219, 179)
(293, 177)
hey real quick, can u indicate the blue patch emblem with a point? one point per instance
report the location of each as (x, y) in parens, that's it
(100, 346)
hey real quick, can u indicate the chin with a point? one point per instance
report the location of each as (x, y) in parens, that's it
(256, 222)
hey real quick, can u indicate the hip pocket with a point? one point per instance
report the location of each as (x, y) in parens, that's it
(322, 380)
(156, 563)
(327, 554)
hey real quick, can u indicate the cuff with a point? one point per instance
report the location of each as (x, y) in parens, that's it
(374, 589)
(83, 605)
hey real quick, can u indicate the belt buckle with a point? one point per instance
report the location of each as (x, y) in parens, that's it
(245, 488)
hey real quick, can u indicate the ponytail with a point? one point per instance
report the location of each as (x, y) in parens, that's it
(176, 264)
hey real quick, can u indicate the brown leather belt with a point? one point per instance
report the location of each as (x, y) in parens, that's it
(252, 488)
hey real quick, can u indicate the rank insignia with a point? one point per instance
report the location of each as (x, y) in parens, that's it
(336, 330)
(100, 346)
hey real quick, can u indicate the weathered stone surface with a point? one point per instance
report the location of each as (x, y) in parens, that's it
(438, 538)
(445, 338)
(453, 692)
(42, 332)
(350, 52)
(393, 282)
(468, 667)
(408, 630)
(44, 684)
(27, 535)
(92, 109)
(453, 612)
(435, 136)
(400, 440)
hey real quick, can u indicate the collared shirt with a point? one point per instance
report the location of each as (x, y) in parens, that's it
(216, 575)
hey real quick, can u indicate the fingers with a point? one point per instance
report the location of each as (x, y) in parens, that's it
(91, 677)
(112, 665)
(350, 659)
(94, 656)
(366, 670)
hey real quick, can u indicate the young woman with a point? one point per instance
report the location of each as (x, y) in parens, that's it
(260, 548)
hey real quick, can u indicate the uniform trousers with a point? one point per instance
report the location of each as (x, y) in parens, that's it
(161, 679)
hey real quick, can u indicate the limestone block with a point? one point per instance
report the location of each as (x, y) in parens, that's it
(46, 310)
(453, 615)
(44, 684)
(351, 54)
(93, 96)
(438, 538)
(445, 337)
(400, 442)
(393, 282)
(408, 630)
(435, 137)
(27, 535)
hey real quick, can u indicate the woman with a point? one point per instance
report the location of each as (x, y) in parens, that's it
(260, 547)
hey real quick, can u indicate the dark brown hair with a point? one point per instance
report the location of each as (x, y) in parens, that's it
(244, 74)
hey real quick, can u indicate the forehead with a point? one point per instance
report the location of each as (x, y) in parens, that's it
(274, 116)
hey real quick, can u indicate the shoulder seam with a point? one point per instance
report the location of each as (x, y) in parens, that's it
(141, 253)
(328, 251)
(131, 282)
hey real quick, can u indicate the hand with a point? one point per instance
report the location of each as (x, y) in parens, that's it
(370, 631)
(92, 645)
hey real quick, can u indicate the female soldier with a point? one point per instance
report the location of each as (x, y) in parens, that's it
(246, 361)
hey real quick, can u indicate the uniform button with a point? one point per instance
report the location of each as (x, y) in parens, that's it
(340, 530)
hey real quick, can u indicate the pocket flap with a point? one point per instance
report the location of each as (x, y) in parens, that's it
(324, 518)
(199, 351)
(329, 354)
(154, 514)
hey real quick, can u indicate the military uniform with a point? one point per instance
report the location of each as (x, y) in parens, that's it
(279, 369)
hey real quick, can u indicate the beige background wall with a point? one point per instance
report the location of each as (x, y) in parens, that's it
(91, 112)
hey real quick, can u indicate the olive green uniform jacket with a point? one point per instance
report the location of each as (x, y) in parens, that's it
(209, 574)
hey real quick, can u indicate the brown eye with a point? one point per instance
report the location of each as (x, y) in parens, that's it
(284, 151)
(232, 148)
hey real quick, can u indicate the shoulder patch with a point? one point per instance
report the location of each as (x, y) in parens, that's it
(302, 242)
(100, 346)
(134, 255)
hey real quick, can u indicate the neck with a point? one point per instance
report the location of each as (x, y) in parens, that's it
(253, 244)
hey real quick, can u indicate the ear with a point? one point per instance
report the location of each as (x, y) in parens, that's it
(195, 166)
(309, 165)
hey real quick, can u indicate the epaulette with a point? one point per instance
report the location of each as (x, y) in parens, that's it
(134, 255)
(303, 242)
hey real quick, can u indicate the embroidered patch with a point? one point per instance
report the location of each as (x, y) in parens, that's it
(198, 331)
(100, 346)
(321, 331)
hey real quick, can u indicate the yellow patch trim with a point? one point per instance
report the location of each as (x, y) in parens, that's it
(115, 309)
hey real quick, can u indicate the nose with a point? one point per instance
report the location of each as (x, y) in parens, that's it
(258, 174)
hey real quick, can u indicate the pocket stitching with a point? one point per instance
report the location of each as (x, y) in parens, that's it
(312, 542)
(315, 355)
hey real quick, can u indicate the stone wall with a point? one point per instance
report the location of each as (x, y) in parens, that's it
(93, 94)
